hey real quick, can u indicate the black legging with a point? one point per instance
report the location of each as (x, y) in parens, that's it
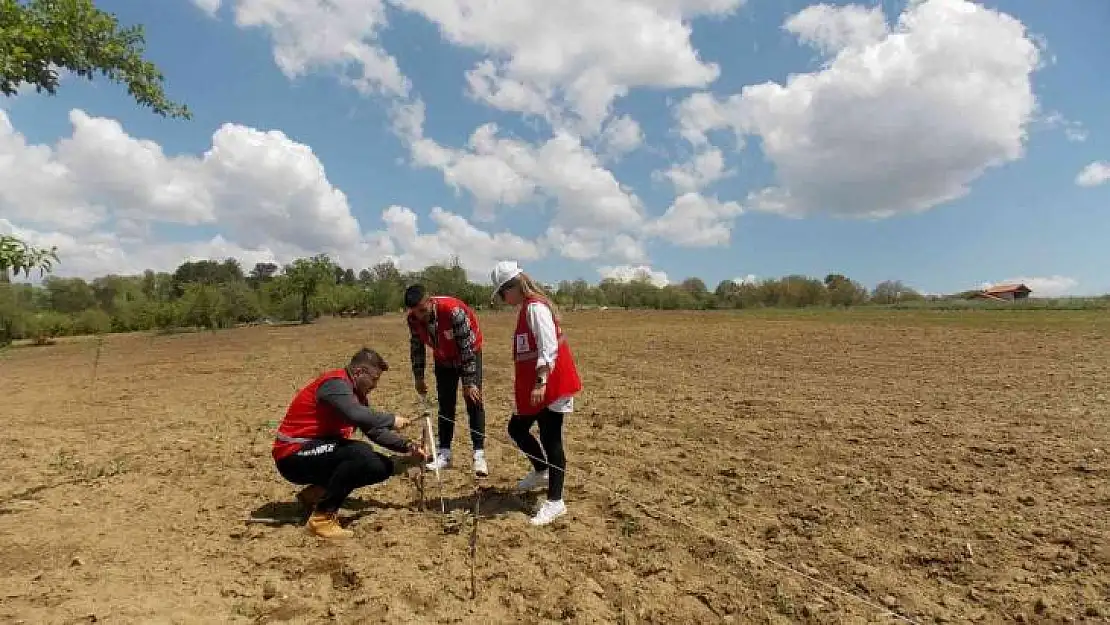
(549, 447)
(339, 466)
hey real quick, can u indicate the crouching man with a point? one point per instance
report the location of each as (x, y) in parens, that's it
(313, 446)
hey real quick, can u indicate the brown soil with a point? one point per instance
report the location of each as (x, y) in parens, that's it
(775, 468)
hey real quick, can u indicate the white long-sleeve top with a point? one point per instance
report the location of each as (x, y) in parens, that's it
(542, 324)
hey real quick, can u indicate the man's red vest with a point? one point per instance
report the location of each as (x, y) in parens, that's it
(562, 381)
(307, 419)
(446, 350)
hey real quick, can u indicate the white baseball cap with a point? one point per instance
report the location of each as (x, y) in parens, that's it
(502, 272)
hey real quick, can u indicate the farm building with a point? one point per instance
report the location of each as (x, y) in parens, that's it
(1006, 292)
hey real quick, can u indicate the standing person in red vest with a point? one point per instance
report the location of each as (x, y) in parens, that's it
(313, 445)
(544, 385)
(450, 328)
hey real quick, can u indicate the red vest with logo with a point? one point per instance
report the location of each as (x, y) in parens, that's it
(562, 381)
(444, 349)
(307, 419)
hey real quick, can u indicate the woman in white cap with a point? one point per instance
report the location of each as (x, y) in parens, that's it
(544, 384)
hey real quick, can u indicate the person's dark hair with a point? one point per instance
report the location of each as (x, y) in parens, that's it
(367, 357)
(414, 295)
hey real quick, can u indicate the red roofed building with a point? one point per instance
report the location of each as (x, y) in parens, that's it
(1006, 292)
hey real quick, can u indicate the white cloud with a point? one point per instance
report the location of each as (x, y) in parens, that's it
(897, 120)
(97, 193)
(335, 34)
(831, 29)
(499, 171)
(591, 243)
(1051, 286)
(99, 253)
(629, 273)
(1076, 133)
(1073, 130)
(706, 168)
(1094, 174)
(621, 136)
(700, 113)
(563, 61)
(208, 6)
(568, 61)
(477, 250)
(746, 279)
(695, 221)
(594, 215)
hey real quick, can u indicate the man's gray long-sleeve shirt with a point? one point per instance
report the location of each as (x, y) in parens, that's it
(376, 425)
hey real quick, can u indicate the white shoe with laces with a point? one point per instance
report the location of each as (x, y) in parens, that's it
(549, 511)
(442, 461)
(534, 479)
(481, 469)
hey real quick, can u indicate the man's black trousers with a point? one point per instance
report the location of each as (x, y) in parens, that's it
(340, 466)
(447, 389)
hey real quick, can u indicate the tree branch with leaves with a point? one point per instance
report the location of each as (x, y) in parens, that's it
(19, 257)
(39, 37)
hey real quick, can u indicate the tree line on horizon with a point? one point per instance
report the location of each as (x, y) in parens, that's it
(216, 294)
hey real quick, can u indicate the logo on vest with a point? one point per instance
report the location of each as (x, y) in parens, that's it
(522, 343)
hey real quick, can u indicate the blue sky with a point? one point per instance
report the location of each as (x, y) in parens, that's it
(946, 154)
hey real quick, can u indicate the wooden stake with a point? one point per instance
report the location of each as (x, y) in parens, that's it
(474, 541)
(430, 437)
(420, 488)
(96, 358)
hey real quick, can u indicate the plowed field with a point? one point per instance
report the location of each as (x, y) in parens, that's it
(753, 468)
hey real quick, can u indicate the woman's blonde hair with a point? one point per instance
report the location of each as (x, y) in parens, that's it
(530, 288)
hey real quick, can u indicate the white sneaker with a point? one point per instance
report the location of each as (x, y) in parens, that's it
(481, 469)
(442, 461)
(549, 511)
(534, 479)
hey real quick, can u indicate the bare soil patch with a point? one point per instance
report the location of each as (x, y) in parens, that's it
(951, 468)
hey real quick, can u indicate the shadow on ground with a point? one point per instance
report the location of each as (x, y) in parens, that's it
(277, 513)
(492, 502)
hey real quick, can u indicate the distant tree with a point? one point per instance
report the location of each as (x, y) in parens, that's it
(211, 272)
(68, 295)
(41, 36)
(794, 291)
(262, 272)
(697, 292)
(694, 286)
(387, 272)
(726, 295)
(306, 276)
(844, 292)
(893, 292)
(202, 306)
(447, 279)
